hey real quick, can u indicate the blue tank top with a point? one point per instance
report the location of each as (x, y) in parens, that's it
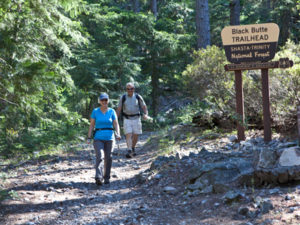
(104, 121)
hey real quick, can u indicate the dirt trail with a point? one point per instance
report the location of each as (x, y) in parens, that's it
(62, 190)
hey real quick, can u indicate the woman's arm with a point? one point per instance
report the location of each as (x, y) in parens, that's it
(91, 128)
(117, 128)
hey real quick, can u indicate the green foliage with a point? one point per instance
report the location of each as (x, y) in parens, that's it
(35, 44)
(11, 194)
(127, 46)
(218, 20)
(285, 88)
(165, 146)
(3, 193)
(206, 78)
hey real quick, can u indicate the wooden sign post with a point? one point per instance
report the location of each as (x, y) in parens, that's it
(250, 47)
(239, 95)
(264, 66)
(298, 121)
(266, 105)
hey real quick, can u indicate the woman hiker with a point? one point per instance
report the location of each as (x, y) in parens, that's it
(103, 122)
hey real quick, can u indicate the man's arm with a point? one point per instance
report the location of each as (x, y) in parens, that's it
(119, 111)
(145, 116)
(145, 110)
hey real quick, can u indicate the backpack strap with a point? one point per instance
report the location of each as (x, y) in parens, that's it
(123, 100)
(138, 97)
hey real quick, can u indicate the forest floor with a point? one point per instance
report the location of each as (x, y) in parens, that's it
(61, 190)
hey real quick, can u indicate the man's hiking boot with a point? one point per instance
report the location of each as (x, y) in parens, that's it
(130, 153)
(106, 182)
(133, 152)
(98, 181)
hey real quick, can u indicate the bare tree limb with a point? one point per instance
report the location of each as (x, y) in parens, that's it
(12, 103)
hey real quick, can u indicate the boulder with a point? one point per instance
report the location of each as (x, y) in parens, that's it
(281, 165)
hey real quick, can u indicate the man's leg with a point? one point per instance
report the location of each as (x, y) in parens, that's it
(137, 130)
(135, 138)
(129, 145)
(129, 141)
(128, 135)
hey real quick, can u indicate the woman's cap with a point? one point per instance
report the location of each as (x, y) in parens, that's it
(103, 96)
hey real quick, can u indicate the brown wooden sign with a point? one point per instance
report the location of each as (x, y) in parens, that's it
(298, 122)
(282, 63)
(250, 43)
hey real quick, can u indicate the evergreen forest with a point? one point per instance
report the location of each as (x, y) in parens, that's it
(56, 56)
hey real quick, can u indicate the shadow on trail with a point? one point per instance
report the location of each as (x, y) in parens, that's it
(44, 186)
(57, 185)
(73, 156)
(93, 199)
(55, 172)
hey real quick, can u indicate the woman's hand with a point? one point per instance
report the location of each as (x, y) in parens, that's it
(89, 141)
(118, 137)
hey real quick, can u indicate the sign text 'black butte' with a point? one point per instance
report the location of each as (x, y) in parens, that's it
(250, 43)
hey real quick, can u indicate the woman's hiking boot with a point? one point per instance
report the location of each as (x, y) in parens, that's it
(98, 181)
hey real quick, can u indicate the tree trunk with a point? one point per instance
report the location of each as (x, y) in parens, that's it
(154, 72)
(267, 10)
(235, 9)
(154, 7)
(155, 87)
(268, 4)
(202, 24)
(136, 6)
(285, 26)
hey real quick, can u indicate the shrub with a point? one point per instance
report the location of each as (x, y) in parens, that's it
(206, 78)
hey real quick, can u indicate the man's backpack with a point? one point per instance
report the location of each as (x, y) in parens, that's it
(138, 97)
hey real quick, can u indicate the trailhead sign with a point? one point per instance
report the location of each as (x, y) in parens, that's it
(250, 43)
(250, 47)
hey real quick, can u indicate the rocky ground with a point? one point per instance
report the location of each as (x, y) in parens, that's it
(144, 190)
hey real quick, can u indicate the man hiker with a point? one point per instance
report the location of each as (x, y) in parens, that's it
(130, 106)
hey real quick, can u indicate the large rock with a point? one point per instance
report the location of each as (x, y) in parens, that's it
(220, 174)
(290, 157)
(279, 165)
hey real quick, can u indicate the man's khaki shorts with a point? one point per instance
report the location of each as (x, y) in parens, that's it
(132, 126)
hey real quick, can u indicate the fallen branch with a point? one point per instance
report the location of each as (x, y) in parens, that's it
(8, 101)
